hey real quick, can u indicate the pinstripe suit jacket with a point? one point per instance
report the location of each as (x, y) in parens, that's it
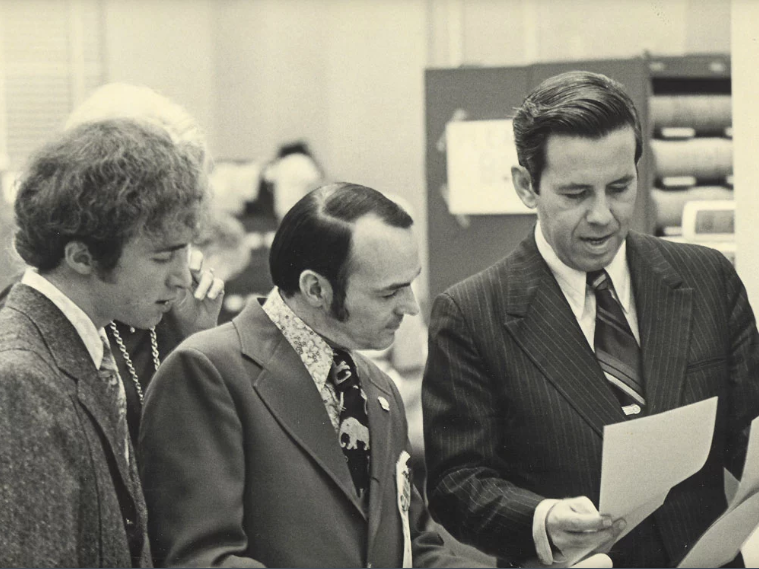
(515, 402)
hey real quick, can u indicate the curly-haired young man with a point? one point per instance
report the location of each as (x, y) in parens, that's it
(105, 214)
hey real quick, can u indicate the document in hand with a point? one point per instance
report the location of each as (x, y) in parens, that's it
(644, 458)
(725, 537)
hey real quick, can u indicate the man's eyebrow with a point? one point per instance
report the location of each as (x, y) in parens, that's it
(577, 186)
(623, 180)
(169, 248)
(396, 286)
(573, 186)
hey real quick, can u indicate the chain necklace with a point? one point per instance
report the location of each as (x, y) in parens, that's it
(128, 360)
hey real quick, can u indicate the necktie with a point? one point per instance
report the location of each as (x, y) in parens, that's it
(109, 374)
(354, 420)
(617, 351)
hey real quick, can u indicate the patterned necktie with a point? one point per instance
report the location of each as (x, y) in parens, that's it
(616, 348)
(354, 420)
(109, 374)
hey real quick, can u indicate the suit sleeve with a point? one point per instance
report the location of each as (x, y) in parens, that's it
(41, 462)
(743, 366)
(463, 428)
(192, 466)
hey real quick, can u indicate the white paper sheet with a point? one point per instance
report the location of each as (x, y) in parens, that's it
(479, 157)
(722, 541)
(644, 458)
(749, 483)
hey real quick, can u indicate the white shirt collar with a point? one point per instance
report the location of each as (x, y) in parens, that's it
(573, 283)
(78, 318)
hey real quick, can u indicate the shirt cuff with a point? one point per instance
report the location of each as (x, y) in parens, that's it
(540, 534)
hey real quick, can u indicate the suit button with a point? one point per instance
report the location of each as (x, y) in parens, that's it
(129, 522)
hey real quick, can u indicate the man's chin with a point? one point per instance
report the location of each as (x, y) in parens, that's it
(143, 323)
(383, 343)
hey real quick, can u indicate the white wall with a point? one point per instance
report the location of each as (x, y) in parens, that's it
(348, 76)
(515, 32)
(166, 45)
(375, 98)
(270, 64)
(746, 137)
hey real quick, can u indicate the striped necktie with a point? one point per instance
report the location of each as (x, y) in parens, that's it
(109, 374)
(354, 420)
(617, 351)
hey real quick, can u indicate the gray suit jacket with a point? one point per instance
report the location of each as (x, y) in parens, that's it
(242, 467)
(515, 402)
(67, 498)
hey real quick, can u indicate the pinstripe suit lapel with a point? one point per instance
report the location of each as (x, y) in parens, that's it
(664, 310)
(539, 319)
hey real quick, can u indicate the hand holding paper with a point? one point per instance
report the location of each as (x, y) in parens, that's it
(597, 560)
(576, 528)
(644, 458)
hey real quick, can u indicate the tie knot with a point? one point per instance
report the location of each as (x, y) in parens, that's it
(342, 374)
(107, 363)
(598, 280)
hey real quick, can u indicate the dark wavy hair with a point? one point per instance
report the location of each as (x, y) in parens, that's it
(102, 184)
(576, 103)
(316, 235)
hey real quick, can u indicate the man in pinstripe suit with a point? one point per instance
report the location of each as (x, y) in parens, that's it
(531, 358)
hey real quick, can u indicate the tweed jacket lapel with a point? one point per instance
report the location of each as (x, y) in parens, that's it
(72, 358)
(291, 396)
(540, 321)
(664, 307)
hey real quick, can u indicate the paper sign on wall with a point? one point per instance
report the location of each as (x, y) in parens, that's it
(480, 155)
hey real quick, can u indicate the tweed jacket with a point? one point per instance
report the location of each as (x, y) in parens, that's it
(67, 497)
(515, 402)
(242, 467)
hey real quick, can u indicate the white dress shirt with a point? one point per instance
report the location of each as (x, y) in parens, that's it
(582, 302)
(78, 318)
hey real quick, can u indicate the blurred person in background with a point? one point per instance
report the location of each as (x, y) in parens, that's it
(222, 242)
(260, 203)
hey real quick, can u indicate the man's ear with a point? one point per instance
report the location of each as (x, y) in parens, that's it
(523, 185)
(77, 256)
(315, 289)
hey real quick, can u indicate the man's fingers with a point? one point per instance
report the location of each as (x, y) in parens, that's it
(205, 280)
(195, 260)
(576, 515)
(597, 560)
(584, 541)
(585, 523)
(216, 289)
(581, 505)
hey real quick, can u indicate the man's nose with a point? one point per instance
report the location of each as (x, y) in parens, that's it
(180, 275)
(600, 212)
(409, 305)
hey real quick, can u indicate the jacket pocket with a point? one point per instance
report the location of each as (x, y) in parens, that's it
(706, 363)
